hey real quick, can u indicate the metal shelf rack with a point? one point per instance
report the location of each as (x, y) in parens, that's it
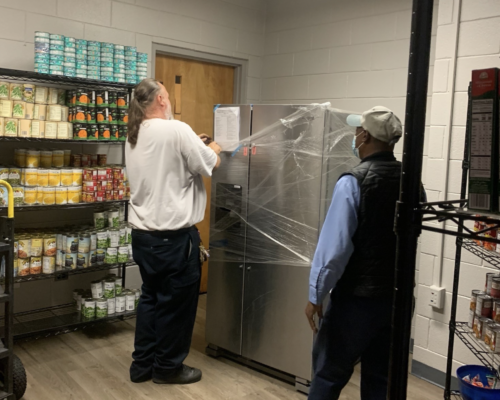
(64, 273)
(58, 320)
(455, 214)
(67, 141)
(41, 207)
(62, 318)
(62, 81)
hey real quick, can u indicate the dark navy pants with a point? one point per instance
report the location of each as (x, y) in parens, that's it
(170, 268)
(353, 328)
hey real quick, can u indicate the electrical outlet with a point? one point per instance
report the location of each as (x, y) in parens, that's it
(436, 299)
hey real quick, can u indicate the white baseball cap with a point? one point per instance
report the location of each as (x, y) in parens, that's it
(380, 122)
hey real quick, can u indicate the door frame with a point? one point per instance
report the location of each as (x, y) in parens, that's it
(240, 65)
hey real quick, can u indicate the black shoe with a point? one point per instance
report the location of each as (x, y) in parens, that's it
(184, 376)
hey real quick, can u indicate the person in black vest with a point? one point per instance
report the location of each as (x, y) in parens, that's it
(355, 260)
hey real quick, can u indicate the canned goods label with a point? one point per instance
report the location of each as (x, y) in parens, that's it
(122, 254)
(84, 244)
(89, 308)
(111, 255)
(104, 132)
(80, 131)
(91, 115)
(130, 302)
(122, 116)
(122, 100)
(49, 246)
(49, 265)
(82, 260)
(36, 247)
(102, 309)
(111, 306)
(113, 116)
(36, 265)
(109, 289)
(120, 304)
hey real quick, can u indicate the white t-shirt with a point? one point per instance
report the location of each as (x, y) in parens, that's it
(165, 171)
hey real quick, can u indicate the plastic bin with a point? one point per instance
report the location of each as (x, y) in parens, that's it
(470, 392)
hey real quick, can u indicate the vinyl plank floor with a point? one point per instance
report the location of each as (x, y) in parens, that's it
(93, 364)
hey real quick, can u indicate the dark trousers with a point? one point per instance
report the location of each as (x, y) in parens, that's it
(353, 328)
(171, 270)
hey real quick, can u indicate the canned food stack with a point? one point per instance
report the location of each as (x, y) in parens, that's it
(105, 298)
(81, 56)
(70, 57)
(142, 66)
(119, 64)
(103, 184)
(98, 114)
(492, 233)
(94, 60)
(35, 253)
(107, 62)
(42, 52)
(27, 110)
(484, 313)
(131, 64)
(56, 63)
(70, 248)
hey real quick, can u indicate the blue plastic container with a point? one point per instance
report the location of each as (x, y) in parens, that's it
(470, 392)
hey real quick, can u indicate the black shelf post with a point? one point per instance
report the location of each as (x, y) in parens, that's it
(458, 257)
(408, 218)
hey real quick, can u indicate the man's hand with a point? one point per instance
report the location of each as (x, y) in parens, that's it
(311, 311)
(205, 138)
(215, 147)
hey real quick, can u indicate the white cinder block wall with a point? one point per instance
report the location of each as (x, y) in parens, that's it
(226, 27)
(466, 40)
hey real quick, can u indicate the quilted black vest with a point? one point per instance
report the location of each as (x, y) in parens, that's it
(371, 268)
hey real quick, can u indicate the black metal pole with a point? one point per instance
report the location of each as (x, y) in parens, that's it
(458, 254)
(408, 218)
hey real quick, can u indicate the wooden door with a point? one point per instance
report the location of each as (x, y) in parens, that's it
(194, 88)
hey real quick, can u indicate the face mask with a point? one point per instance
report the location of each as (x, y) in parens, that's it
(355, 150)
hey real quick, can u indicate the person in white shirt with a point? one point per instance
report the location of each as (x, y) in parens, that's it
(165, 161)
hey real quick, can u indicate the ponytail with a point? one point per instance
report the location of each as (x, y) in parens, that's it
(144, 95)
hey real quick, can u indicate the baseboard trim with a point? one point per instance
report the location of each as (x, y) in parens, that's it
(432, 375)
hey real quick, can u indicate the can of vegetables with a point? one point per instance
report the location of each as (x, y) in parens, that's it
(102, 115)
(122, 136)
(91, 115)
(80, 131)
(114, 132)
(102, 98)
(82, 97)
(80, 115)
(92, 133)
(112, 99)
(113, 115)
(122, 99)
(122, 116)
(104, 132)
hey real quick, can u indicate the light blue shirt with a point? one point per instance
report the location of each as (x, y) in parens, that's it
(335, 245)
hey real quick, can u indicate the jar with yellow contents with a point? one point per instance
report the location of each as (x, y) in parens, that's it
(49, 195)
(20, 158)
(74, 194)
(31, 176)
(39, 195)
(66, 177)
(46, 159)
(77, 177)
(54, 177)
(43, 177)
(30, 195)
(61, 195)
(67, 158)
(33, 158)
(57, 158)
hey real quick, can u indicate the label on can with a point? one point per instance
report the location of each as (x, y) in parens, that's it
(49, 246)
(49, 265)
(96, 288)
(36, 246)
(109, 288)
(89, 308)
(71, 260)
(102, 308)
(130, 301)
(111, 306)
(82, 260)
(35, 265)
(118, 286)
(84, 244)
(72, 244)
(111, 255)
(23, 266)
(120, 303)
(60, 258)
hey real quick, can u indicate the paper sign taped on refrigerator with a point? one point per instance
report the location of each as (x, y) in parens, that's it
(227, 128)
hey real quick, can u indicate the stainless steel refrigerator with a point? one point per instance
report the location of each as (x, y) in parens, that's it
(269, 199)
